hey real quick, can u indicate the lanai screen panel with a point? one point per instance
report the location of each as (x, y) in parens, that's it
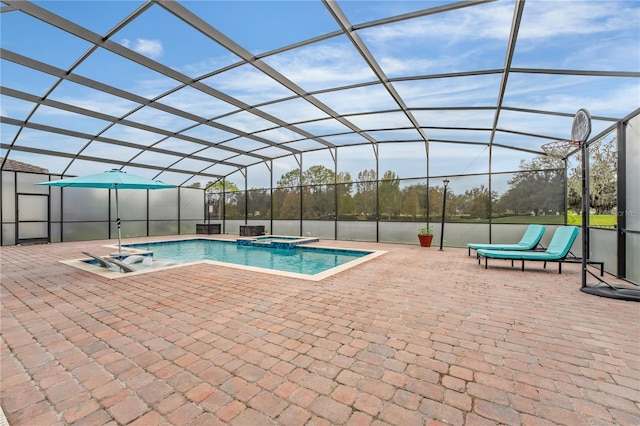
(192, 92)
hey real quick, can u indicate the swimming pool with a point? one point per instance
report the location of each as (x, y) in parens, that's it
(305, 261)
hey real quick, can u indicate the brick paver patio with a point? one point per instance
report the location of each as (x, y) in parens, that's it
(414, 337)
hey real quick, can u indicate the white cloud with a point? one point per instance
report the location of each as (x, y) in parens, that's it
(570, 34)
(205, 65)
(279, 135)
(137, 136)
(246, 122)
(320, 66)
(248, 84)
(197, 102)
(541, 19)
(369, 98)
(294, 110)
(406, 66)
(453, 118)
(602, 96)
(451, 40)
(12, 107)
(100, 102)
(470, 91)
(611, 101)
(548, 19)
(150, 48)
(479, 22)
(387, 120)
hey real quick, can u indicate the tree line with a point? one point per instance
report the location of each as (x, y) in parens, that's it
(539, 188)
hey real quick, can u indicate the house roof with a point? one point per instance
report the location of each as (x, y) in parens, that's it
(19, 166)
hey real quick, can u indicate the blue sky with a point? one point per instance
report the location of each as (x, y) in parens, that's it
(569, 35)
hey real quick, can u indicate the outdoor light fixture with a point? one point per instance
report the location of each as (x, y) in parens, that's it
(209, 196)
(444, 207)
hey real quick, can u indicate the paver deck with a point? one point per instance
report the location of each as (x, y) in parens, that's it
(414, 337)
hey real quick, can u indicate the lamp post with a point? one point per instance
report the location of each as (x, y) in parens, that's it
(209, 199)
(444, 207)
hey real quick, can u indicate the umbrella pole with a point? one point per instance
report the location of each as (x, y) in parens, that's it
(118, 221)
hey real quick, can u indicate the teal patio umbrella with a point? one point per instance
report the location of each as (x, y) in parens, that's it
(111, 179)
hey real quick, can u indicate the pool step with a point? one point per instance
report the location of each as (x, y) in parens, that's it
(278, 242)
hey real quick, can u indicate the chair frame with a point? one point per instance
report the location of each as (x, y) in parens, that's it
(560, 262)
(106, 262)
(523, 256)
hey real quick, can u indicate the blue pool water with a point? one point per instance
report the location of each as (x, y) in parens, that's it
(302, 260)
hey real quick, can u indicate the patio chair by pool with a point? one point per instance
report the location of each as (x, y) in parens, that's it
(558, 249)
(107, 262)
(529, 241)
(121, 265)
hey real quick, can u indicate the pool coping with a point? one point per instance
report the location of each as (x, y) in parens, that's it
(80, 263)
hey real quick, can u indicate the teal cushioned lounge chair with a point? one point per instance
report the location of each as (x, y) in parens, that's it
(529, 241)
(558, 249)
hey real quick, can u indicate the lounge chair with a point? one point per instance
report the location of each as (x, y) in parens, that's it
(101, 261)
(121, 265)
(529, 241)
(108, 262)
(558, 249)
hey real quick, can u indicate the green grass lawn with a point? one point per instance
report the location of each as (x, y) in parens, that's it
(603, 220)
(529, 219)
(595, 220)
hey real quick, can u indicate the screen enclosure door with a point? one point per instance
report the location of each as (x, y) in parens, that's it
(33, 218)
